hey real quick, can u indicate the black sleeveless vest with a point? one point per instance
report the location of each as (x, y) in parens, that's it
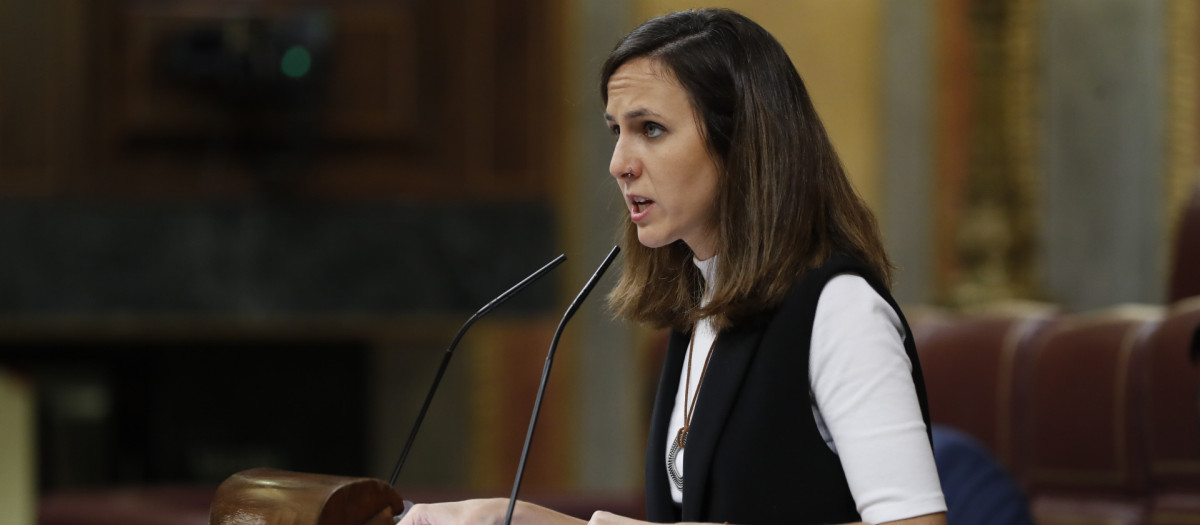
(754, 454)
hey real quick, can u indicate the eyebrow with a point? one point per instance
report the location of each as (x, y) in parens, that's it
(632, 114)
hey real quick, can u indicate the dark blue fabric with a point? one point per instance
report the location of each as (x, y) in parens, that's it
(978, 490)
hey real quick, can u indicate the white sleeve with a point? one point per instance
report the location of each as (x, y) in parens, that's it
(862, 385)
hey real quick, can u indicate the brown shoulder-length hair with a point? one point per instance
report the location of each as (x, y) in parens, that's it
(784, 204)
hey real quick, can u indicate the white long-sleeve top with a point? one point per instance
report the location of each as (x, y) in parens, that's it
(864, 400)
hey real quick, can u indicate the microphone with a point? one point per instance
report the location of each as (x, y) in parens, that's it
(537, 405)
(412, 436)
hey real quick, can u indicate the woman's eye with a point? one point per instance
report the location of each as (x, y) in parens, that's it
(653, 130)
(615, 130)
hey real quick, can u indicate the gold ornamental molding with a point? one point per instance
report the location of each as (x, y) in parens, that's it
(988, 163)
(1021, 44)
(1181, 118)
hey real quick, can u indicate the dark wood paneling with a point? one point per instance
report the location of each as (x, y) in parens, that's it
(419, 99)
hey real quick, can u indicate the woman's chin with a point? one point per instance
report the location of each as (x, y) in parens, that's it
(651, 241)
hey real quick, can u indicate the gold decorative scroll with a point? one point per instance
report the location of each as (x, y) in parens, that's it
(987, 173)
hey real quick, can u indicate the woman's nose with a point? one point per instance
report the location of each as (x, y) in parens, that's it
(622, 164)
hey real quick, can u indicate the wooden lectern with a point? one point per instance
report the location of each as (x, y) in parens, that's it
(264, 496)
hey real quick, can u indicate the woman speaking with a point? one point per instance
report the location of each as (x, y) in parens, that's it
(791, 391)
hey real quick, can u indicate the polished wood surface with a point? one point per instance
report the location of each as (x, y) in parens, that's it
(264, 496)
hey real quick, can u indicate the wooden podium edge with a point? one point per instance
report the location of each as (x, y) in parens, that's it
(266, 496)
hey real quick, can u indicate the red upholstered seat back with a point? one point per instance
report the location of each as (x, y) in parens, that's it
(1086, 455)
(1171, 396)
(971, 364)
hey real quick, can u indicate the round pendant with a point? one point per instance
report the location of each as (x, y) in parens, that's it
(672, 455)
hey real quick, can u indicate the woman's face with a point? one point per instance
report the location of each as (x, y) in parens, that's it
(660, 162)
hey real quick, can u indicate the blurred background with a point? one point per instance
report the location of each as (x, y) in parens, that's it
(241, 233)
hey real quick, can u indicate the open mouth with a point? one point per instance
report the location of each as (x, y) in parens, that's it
(640, 204)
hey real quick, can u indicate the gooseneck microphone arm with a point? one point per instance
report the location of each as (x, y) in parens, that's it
(537, 405)
(412, 436)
